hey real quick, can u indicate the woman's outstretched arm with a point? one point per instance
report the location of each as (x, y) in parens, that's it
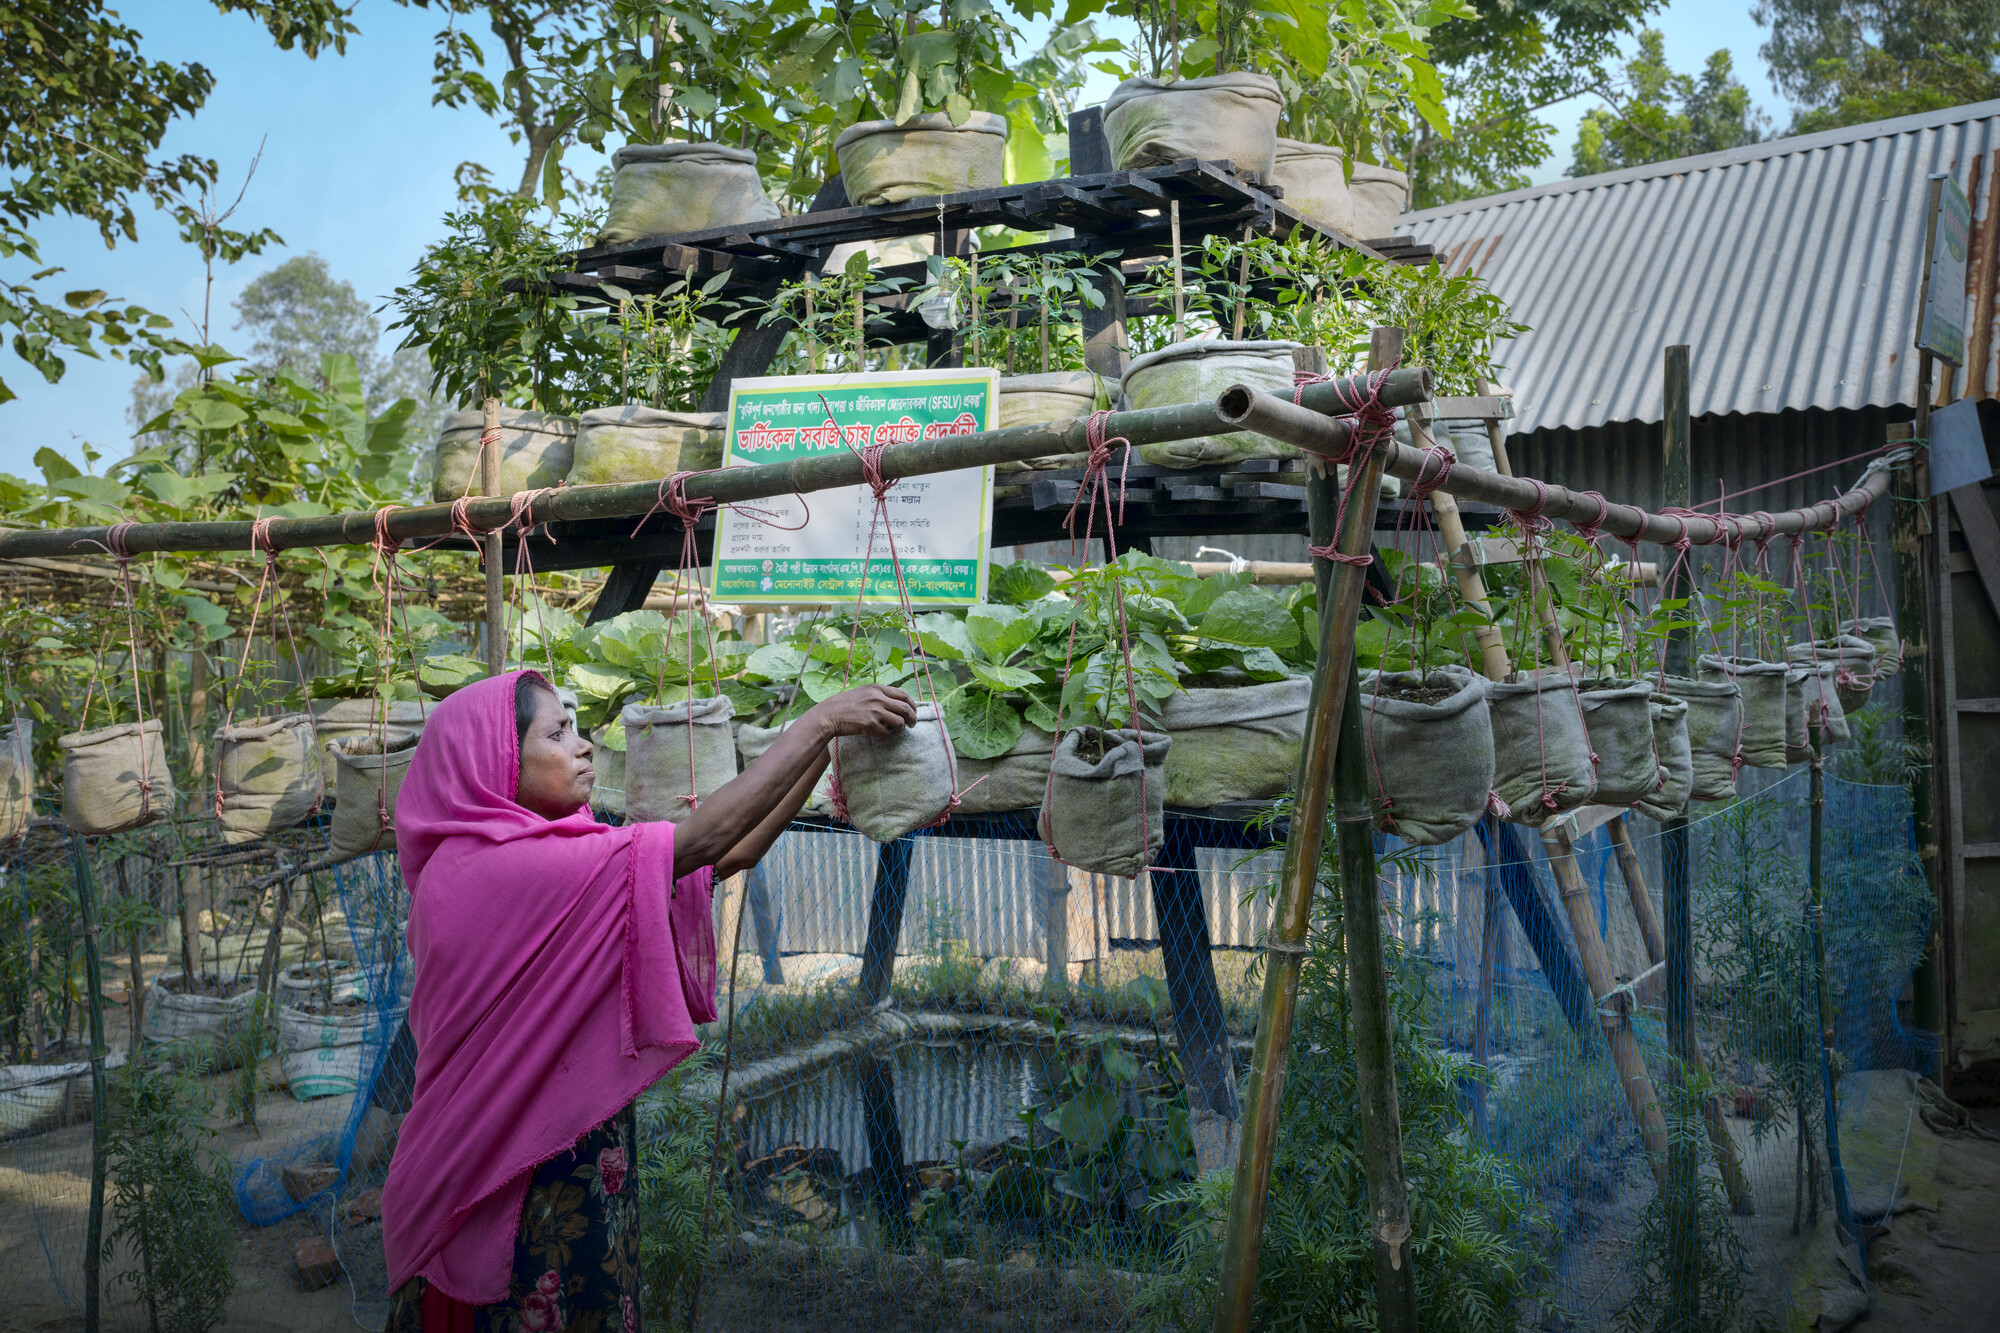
(764, 797)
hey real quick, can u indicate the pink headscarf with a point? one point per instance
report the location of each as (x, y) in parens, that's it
(560, 971)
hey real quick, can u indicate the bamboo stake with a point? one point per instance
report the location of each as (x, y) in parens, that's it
(1174, 226)
(496, 589)
(93, 1252)
(1333, 684)
(1635, 888)
(1816, 725)
(1471, 584)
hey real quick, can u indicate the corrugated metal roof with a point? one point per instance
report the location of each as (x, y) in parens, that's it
(1790, 267)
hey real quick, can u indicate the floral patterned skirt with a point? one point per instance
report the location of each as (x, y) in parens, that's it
(576, 1259)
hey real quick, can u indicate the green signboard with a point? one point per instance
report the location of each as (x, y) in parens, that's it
(815, 551)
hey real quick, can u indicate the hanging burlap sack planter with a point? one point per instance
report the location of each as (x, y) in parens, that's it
(888, 786)
(1314, 179)
(1229, 118)
(1016, 780)
(1379, 195)
(1429, 748)
(336, 720)
(536, 450)
(1541, 757)
(1238, 744)
(370, 775)
(213, 1007)
(1880, 632)
(1853, 660)
(1619, 717)
(1197, 371)
(1035, 400)
(1761, 743)
(1714, 720)
(635, 443)
(17, 778)
(608, 794)
(752, 741)
(1676, 759)
(1092, 815)
(1808, 689)
(658, 742)
(115, 778)
(663, 189)
(882, 162)
(269, 774)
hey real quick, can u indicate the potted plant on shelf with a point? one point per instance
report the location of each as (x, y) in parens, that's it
(668, 350)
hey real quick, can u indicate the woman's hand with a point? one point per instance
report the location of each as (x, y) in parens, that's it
(867, 710)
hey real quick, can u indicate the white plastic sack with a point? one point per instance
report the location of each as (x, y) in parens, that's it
(1239, 744)
(1430, 764)
(1676, 760)
(1541, 761)
(668, 188)
(1229, 118)
(1092, 815)
(1197, 371)
(752, 741)
(1314, 179)
(536, 450)
(268, 771)
(1761, 743)
(323, 1054)
(1808, 689)
(115, 778)
(1714, 719)
(312, 987)
(638, 443)
(1035, 400)
(174, 1016)
(17, 778)
(658, 742)
(894, 785)
(1619, 719)
(371, 772)
(1853, 661)
(1880, 631)
(1379, 195)
(882, 162)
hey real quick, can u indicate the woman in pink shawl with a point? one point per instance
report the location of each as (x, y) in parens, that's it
(561, 967)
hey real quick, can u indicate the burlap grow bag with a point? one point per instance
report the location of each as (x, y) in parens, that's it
(1761, 743)
(536, 450)
(1714, 719)
(115, 778)
(752, 741)
(1016, 780)
(1229, 118)
(1853, 660)
(1619, 719)
(888, 786)
(1430, 761)
(1880, 632)
(336, 720)
(1197, 371)
(1238, 744)
(268, 771)
(658, 742)
(1035, 400)
(882, 162)
(664, 189)
(371, 771)
(636, 443)
(17, 778)
(1676, 760)
(608, 794)
(1808, 689)
(1092, 815)
(1379, 195)
(1314, 179)
(1541, 759)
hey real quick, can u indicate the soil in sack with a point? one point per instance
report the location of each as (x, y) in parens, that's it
(1229, 118)
(1676, 759)
(1541, 757)
(882, 162)
(1036, 400)
(210, 1008)
(1379, 196)
(17, 778)
(658, 745)
(115, 778)
(1314, 179)
(1853, 661)
(1015, 780)
(1235, 744)
(268, 770)
(536, 450)
(1880, 632)
(752, 741)
(638, 443)
(364, 806)
(1429, 752)
(1197, 370)
(1762, 741)
(1619, 719)
(1714, 718)
(1091, 813)
(1808, 689)
(896, 784)
(664, 189)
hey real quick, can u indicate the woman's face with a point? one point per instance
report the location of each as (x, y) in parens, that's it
(556, 776)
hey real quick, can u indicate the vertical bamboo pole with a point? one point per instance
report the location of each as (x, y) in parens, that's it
(1815, 918)
(1471, 584)
(1908, 542)
(1174, 226)
(1635, 889)
(496, 588)
(1333, 687)
(93, 1253)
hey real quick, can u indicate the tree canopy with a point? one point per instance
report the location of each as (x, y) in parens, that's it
(1847, 62)
(1660, 114)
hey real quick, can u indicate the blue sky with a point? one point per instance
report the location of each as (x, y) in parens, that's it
(357, 166)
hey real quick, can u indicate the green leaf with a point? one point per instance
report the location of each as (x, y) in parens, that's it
(1250, 620)
(214, 413)
(1087, 1120)
(180, 492)
(54, 466)
(775, 662)
(981, 723)
(1003, 677)
(598, 682)
(998, 631)
(1019, 583)
(944, 635)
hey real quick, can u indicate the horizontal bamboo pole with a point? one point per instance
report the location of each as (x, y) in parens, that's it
(1245, 408)
(725, 486)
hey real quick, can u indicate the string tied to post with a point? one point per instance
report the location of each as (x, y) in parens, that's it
(1592, 530)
